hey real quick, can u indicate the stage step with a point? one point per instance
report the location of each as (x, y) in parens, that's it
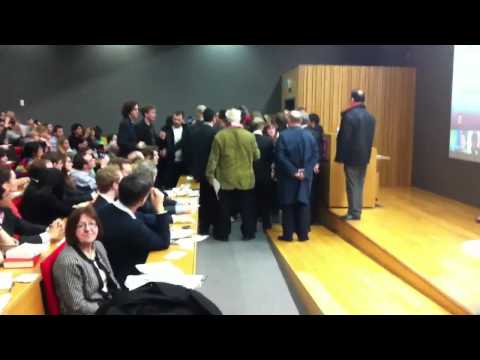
(418, 236)
(331, 277)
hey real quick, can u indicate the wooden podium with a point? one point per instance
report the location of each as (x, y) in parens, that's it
(333, 186)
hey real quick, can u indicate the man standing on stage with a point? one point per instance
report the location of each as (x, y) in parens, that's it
(297, 158)
(354, 147)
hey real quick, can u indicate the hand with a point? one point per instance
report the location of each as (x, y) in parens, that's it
(157, 198)
(299, 175)
(94, 196)
(104, 162)
(163, 153)
(57, 230)
(316, 169)
(141, 145)
(163, 135)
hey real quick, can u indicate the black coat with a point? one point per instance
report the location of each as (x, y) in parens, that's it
(355, 138)
(183, 144)
(41, 206)
(15, 226)
(146, 133)
(99, 203)
(127, 138)
(263, 166)
(128, 241)
(201, 139)
(317, 133)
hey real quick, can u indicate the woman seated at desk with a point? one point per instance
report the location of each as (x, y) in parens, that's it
(11, 225)
(82, 273)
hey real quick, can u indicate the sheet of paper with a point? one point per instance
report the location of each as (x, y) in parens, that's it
(26, 278)
(199, 238)
(176, 234)
(4, 300)
(6, 280)
(163, 267)
(175, 255)
(216, 187)
(185, 244)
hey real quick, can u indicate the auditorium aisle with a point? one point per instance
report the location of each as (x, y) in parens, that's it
(243, 278)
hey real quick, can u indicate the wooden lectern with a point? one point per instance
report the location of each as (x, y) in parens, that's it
(333, 186)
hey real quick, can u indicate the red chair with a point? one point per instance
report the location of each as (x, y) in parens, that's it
(18, 151)
(51, 298)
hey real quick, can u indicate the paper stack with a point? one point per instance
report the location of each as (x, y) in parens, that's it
(24, 256)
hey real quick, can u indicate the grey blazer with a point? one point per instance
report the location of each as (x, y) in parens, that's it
(78, 283)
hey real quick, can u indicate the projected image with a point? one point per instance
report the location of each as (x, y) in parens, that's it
(465, 120)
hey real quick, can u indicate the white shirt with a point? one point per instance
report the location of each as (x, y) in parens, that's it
(177, 135)
(107, 199)
(209, 124)
(103, 276)
(125, 209)
(258, 132)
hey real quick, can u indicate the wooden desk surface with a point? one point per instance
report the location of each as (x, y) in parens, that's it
(27, 298)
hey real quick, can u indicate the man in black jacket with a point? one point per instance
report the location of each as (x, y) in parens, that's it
(127, 136)
(201, 141)
(263, 170)
(130, 235)
(178, 151)
(354, 148)
(317, 131)
(145, 128)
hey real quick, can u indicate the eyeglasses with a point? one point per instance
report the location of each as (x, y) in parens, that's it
(84, 225)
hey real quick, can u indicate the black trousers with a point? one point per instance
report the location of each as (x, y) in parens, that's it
(263, 198)
(208, 213)
(315, 198)
(296, 219)
(246, 200)
(173, 172)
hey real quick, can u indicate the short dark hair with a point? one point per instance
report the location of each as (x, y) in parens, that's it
(75, 126)
(147, 109)
(3, 152)
(358, 95)
(54, 156)
(56, 127)
(314, 118)
(178, 113)
(78, 161)
(74, 219)
(128, 107)
(148, 151)
(35, 168)
(208, 115)
(134, 188)
(31, 148)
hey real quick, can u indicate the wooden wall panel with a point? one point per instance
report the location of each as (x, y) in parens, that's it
(325, 90)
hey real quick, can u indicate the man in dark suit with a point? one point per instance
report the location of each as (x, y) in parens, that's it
(178, 151)
(354, 148)
(201, 141)
(263, 171)
(108, 181)
(130, 235)
(296, 159)
(127, 136)
(145, 128)
(317, 132)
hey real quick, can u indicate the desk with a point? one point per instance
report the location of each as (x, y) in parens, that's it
(27, 298)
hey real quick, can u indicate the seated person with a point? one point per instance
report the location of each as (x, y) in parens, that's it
(11, 225)
(108, 180)
(130, 235)
(44, 199)
(83, 173)
(150, 153)
(124, 164)
(82, 274)
(31, 151)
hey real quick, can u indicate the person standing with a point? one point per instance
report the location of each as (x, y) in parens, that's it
(127, 136)
(201, 140)
(354, 148)
(263, 174)
(145, 128)
(177, 151)
(230, 163)
(296, 161)
(317, 132)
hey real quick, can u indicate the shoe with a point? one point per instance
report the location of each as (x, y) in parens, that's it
(248, 238)
(303, 240)
(282, 238)
(220, 239)
(349, 217)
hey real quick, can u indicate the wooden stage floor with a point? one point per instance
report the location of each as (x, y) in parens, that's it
(418, 236)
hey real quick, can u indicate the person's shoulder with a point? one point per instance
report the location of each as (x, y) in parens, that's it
(68, 255)
(99, 247)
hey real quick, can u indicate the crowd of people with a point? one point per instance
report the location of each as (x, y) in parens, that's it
(112, 189)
